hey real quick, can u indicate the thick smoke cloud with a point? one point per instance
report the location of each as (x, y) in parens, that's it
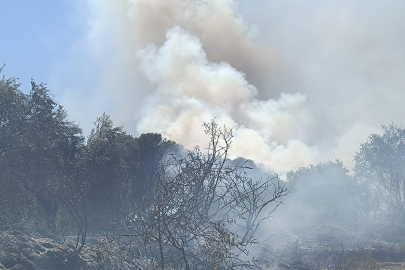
(299, 82)
(190, 90)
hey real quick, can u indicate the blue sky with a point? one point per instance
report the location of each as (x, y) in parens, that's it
(34, 36)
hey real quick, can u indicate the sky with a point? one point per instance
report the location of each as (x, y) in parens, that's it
(35, 35)
(299, 82)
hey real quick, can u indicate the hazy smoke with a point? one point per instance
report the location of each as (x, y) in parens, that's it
(298, 82)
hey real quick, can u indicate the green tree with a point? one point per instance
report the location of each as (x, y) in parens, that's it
(51, 144)
(104, 170)
(380, 164)
(119, 169)
(325, 189)
(12, 114)
(13, 111)
(151, 148)
(38, 147)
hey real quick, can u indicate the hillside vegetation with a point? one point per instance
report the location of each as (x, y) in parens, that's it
(114, 201)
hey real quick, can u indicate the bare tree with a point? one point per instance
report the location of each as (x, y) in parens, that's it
(203, 213)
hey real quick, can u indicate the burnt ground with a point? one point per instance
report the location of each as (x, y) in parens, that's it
(326, 247)
(21, 250)
(24, 250)
(336, 247)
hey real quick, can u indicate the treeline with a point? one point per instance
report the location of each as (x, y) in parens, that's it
(49, 172)
(373, 193)
(157, 205)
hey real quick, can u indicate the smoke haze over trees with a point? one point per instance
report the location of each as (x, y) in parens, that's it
(195, 205)
(198, 206)
(284, 87)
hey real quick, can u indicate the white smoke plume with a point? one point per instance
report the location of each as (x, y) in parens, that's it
(190, 90)
(298, 82)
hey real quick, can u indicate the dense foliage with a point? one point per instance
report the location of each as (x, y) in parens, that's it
(196, 206)
(380, 165)
(48, 171)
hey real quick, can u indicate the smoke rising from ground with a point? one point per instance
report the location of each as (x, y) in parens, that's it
(299, 82)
